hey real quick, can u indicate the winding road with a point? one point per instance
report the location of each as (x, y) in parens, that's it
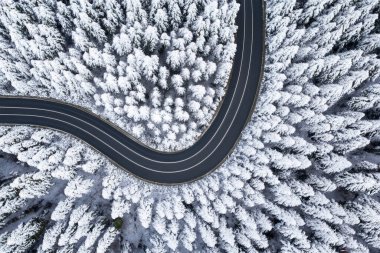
(204, 156)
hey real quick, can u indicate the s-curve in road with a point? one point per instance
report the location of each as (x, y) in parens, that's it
(166, 168)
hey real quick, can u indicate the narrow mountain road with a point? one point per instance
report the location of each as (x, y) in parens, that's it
(204, 156)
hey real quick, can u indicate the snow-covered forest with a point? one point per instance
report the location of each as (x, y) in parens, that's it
(156, 68)
(305, 176)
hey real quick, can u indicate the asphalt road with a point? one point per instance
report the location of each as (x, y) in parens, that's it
(165, 168)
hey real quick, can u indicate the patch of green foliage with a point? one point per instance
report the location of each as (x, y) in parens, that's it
(118, 223)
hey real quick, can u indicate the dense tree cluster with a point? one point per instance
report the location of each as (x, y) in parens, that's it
(157, 68)
(305, 176)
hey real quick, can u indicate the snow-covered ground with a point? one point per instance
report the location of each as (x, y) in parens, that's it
(158, 69)
(305, 176)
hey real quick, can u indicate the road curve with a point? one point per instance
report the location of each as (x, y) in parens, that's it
(159, 167)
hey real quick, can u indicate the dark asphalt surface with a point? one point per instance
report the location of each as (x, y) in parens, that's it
(165, 168)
